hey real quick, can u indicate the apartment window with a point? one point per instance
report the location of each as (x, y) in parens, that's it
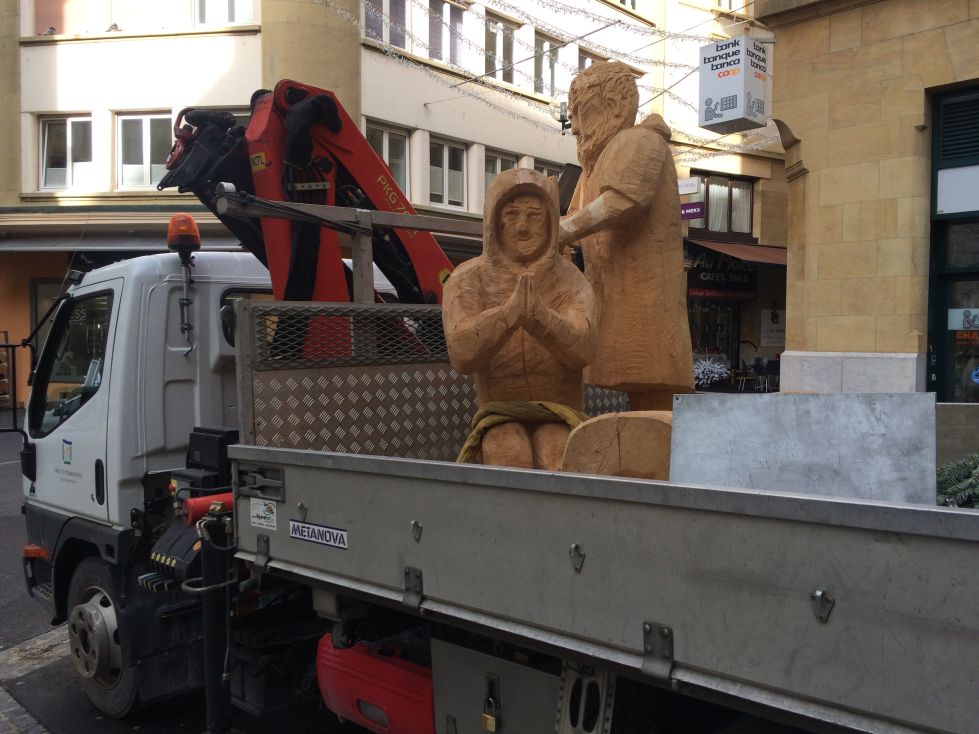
(628, 3)
(223, 12)
(444, 31)
(392, 146)
(385, 21)
(497, 163)
(66, 153)
(728, 207)
(499, 49)
(548, 169)
(447, 173)
(545, 65)
(586, 59)
(144, 143)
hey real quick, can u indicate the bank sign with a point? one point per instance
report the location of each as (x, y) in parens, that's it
(733, 85)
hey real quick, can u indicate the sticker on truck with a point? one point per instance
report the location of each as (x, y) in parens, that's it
(322, 534)
(261, 514)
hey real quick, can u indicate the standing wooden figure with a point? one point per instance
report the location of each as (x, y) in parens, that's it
(522, 319)
(626, 215)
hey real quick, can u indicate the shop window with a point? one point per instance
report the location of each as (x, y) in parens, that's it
(545, 65)
(499, 49)
(728, 207)
(447, 173)
(144, 143)
(497, 163)
(385, 20)
(444, 31)
(392, 146)
(223, 12)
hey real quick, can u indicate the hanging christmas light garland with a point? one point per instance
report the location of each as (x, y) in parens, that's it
(714, 148)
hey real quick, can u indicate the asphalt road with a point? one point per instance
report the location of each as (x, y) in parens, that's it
(39, 690)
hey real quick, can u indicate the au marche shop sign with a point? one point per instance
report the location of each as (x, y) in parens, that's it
(715, 275)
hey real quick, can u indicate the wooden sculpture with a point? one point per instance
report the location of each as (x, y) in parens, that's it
(626, 216)
(522, 319)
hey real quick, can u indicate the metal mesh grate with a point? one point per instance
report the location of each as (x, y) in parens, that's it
(319, 382)
(291, 336)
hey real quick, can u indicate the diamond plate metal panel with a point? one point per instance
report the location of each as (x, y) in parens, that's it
(361, 380)
(411, 411)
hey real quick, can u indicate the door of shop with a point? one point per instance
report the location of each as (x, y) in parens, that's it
(953, 370)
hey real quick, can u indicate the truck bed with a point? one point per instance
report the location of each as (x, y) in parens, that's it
(853, 613)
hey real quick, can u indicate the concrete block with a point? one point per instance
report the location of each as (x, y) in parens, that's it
(810, 371)
(879, 372)
(871, 447)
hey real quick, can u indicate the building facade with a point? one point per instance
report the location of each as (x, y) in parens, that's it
(877, 108)
(448, 93)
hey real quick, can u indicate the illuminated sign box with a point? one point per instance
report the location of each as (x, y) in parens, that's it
(733, 77)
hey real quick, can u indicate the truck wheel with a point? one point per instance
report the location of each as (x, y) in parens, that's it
(93, 638)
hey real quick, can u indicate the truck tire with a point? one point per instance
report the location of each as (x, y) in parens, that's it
(93, 637)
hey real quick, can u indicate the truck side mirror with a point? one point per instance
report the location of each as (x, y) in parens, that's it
(28, 461)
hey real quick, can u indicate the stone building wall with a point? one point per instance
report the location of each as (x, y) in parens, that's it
(852, 85)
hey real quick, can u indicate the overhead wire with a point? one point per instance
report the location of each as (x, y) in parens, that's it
(394, 52)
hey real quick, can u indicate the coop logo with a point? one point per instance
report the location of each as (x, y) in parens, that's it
(728, 72)
(65, 451)
(333, 537)
(759, 75)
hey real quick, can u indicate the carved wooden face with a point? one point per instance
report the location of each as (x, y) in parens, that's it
(524, 228)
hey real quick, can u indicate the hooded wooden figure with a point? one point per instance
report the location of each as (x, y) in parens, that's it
(521, 318)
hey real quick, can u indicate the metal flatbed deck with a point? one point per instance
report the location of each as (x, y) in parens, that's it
(854, 613)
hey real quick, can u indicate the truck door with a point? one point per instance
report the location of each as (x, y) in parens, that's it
(69, 405)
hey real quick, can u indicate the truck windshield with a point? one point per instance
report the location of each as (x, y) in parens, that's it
(70, 370)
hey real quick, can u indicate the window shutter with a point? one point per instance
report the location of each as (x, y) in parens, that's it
(435, 184)
(959, 131)
(456, 188)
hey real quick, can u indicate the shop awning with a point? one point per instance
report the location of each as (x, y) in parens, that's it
(750, 253)
(130, 243)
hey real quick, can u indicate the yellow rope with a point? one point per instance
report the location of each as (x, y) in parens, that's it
(497, 412)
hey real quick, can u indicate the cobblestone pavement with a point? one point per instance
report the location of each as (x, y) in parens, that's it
(16, 662)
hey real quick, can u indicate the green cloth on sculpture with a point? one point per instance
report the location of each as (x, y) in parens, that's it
(497, 412)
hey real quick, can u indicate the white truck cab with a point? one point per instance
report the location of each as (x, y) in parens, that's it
(135, 359)
(118, 387)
